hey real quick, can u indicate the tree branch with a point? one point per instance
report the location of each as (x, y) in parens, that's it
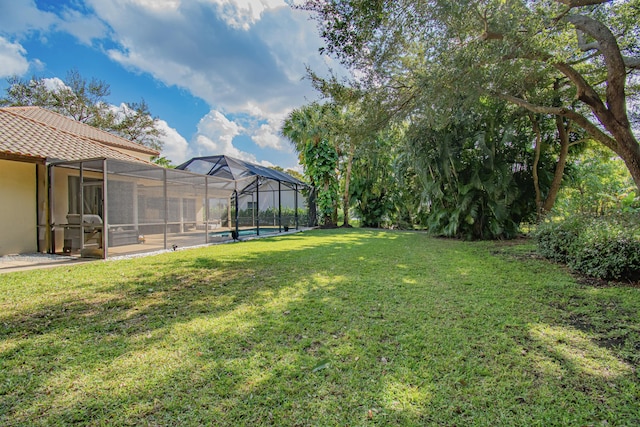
(616, 68)
(580, 3)
(578, 142)
(582, 42)
(628, 61)
(578, 118)
(585, 91)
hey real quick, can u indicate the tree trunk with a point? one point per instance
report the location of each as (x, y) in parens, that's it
(536, 160)
(563, 136)
(543, 207)
(612, 114)
(346, 201)
(327, 220)
(629, 151)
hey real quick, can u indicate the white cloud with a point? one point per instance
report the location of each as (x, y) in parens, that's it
(85, 28)
(161, 6)
(216, 124)
(193, 46)
(12, 58)
(244, 13)
(175, 146)
(23, 17)
(20, 17)
(267, 136)
(54, 83)
(215, 136)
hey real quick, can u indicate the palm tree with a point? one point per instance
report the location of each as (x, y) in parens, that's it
(307, 129)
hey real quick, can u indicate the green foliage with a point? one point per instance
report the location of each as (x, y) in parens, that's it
(163, 161)
(557, 239)
(607, 247)
(596, 230)
(474, 174)
(373, 184)
(431, 63)
(321, 162)
(597, 184)
(294, 173)
(409, 209)
(308, 129)
(268, 217)
(434, 59)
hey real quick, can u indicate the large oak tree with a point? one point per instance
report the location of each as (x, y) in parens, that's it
(574, 59)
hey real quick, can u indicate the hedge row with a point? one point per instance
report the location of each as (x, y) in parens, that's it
(607, 247)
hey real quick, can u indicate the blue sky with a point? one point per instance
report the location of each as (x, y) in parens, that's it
(220, 74)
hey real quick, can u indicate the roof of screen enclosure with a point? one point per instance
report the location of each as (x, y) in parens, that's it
(228, 168)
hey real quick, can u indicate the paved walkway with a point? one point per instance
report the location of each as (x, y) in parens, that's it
(11, 263)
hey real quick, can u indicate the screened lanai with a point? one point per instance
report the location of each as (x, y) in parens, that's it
(263, 201)
(105, 207)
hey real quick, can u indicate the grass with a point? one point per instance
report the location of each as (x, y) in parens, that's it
(330, 327)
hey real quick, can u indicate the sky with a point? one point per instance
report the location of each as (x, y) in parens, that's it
(221, 75)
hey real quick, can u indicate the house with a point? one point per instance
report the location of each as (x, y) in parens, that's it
(31, 138)
(69, 188)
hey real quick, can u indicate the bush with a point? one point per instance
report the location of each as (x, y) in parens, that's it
(607, 247)
(556, 240)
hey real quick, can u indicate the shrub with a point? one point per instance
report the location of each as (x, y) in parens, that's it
(556, 240)
(607, 247)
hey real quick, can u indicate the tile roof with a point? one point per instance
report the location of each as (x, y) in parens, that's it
(26, 137)
(60, 122)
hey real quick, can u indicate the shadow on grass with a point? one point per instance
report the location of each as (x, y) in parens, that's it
(325, 328)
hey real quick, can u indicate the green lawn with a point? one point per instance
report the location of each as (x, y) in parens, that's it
(324, 328)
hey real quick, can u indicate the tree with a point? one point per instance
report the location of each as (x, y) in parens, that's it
(134, 122)
(557, 136)
(596, 185)
(81, 100)
(373, 182)
(410, 210)
(86, 102)
(306, 129)
(427, 55)
(27, 93)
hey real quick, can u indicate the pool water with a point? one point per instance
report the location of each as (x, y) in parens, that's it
(246, 232)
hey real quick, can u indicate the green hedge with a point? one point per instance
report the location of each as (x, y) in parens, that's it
(607, 247)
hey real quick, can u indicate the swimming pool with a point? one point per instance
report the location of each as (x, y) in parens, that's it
(246, 232)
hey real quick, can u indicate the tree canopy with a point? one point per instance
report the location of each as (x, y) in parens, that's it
(575, 59)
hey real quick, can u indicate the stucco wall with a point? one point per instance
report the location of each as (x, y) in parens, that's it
(18, 212)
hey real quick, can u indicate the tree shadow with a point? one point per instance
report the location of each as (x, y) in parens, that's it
(204, 337)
